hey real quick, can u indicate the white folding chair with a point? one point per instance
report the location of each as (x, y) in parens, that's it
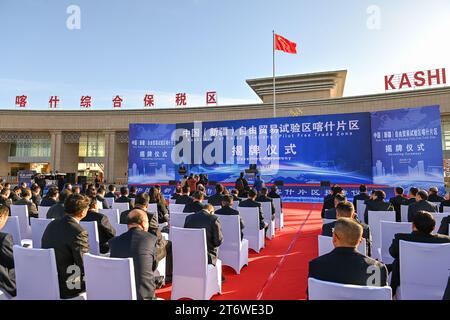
(120, 228)
(133, 201)
(12, 227)
(438, 204)
(152, 207)
(36, 274)
(255, 237)
(109, 201)
(388, 232)
(279, 216)
(360, 209)
(121, 206)
(21, 211)
(172, 201)
(176, 208)
(423, 270)
(235, 205)
(375, 218)
(192, 276)
(327, 221)
(99, 205)
(326, 245)
(109, 278)
(266, 208)
(4, 295)
(233, 252)
(42, 212)
(112, 214)
(404, 213)
(94, 241)
(446, 209)
(38, 227)
(178, 219)
(323, 290)
(438, 218)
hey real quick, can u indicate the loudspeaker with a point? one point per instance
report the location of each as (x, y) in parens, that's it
(325, 183)
(70, 178)
(82, 180)
(279, 183)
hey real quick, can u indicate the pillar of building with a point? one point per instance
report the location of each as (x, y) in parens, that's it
(110, 145)
(56, 148)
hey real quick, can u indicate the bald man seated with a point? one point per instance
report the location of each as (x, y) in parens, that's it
(345, 264)
(139, 244)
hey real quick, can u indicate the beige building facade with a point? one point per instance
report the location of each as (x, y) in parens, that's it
(89, 142)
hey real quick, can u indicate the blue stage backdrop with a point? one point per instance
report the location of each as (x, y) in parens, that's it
(300, 151)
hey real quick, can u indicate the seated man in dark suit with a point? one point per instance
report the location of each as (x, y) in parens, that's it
(251, 203)
(443, 228)
(4, 198)
(202, 189)
(101, 197)
(112, 192)
(205, 219)
(36, 195)
(234, 194)
(227, 210)
(70, 242)
(346, 210)
(397, 202)
(264, 198)
(177, 193)
(50, 198)
(345, 264)
(26, 200)
(15, 194)
(331, 213)
(105, 229)
(57, 211)
(363, 195)
(421, 204)
(133, 192)
(184, 198)
(274, 194)
(124, 197)
(433, 195)
(412, 195)
(196, 205)
(216, 199)
(445, 203)
(7, 275)
(378, 204)
(328, 201)
(140, 245)
(423, 224)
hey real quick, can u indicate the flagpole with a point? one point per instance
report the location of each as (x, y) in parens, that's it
(273, 73)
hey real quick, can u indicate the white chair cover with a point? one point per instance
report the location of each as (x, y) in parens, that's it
(94, 242)
(192, 276)
(42, 212)
(233, 252)
(326, 245)
(255, 237)
(323, 290)
(388, 232)
(267, 212)
(12, 227)
(404, 213)
(360, 209)
(112, 214)
(178, 219)
(120, 228)
(446, 209)
(38, 227)
(121, 206)
(424, 270)
(109, 201)
(176, 208)
(109, 278)
(375, 218)
(279, 216)
(21, 211)
(152, 208)
(438, 217)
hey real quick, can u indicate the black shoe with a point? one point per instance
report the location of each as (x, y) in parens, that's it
(168, 279)
(159, 281)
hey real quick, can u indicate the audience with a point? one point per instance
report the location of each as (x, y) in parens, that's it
(111, 192)
(345, 264)
(141, 246)
(227, 210)
(377, 204)
(363, 195)
(397, 202)
(234, 194)
(36, 195)
(328, 201)
(241, 181)
(205, 219)
(7, 275)
(133, 191)
(177, 193)
(196, 205)
(124, 197)
(50, 198)
(412, 195)
(184, 198)
(57, 211)
(264, 198)
(445, 203)
(216, 199)
(423, 224)
(70, 242)
(433, 195)
(251, 203)
(274, 194)
(163, 212)
(443, 228)
(331, 213)
(421, 204)
(26, 201)
(4, 198)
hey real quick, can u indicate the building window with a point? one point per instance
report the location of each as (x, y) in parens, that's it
(92, 144)
(33, 147)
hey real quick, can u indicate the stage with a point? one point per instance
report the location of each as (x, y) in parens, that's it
(280, 270)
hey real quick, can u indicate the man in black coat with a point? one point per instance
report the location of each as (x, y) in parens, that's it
(397, 202)
(274, 194)
(26, 201)
(423, 224)
(331, 213)
(140, 245)
(184, 198)
(70, 242)
(346, 210)
(216, 199)
(251, 203)
(124, 197)
(433, 195)
(421, 204)
(7, 275)
(196, 205)
(105, 229)
(227, 210)
(206, 219)
(177, 193)
(363, 195)
(264, 198)
(445, 203)
(101, 197)
(111, 192)
(57, 211)
(443, 229)
(377, 204)
(345, 264)
(412, 195)
(4, 198)
(50, 198)
(328, 201)
(242, 180)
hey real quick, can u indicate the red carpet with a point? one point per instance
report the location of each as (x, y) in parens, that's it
(280, 270)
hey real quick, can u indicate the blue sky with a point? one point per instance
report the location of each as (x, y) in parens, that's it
(130, 47)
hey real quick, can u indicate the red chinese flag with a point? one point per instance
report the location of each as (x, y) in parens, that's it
(285, 45)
